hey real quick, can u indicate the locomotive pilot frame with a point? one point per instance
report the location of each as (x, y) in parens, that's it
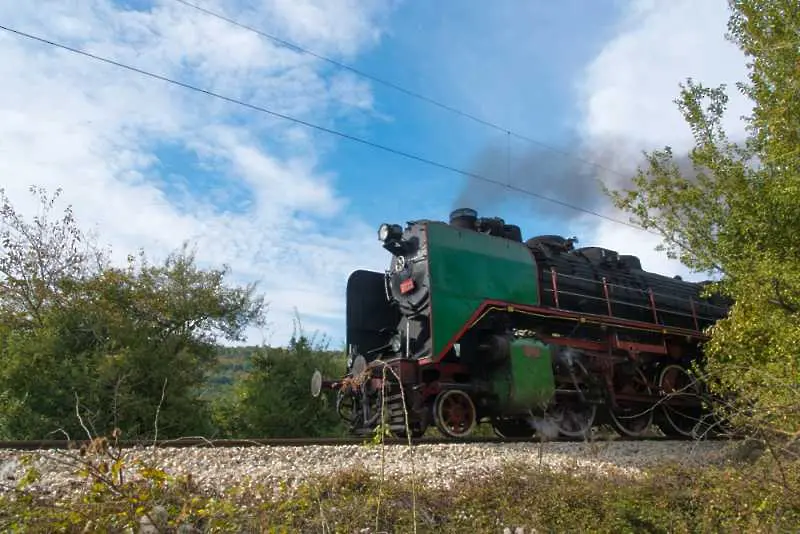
(470, 324)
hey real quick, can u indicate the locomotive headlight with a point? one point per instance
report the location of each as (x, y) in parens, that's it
(387, 232)
(383, 232)
(391, 235)
(396, 343)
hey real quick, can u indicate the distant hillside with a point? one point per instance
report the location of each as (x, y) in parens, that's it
(232, 365)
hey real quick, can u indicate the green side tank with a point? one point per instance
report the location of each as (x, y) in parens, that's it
(525, 382)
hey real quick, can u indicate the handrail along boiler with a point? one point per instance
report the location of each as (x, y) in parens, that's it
(470, 324)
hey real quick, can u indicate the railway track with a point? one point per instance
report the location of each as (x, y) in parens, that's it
(31, 445)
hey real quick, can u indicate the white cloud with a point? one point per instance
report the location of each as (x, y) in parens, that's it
(97, 131)
(341, 27)
(628, 93)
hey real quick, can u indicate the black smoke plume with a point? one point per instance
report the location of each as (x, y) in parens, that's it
(570, 175)
(573, 175)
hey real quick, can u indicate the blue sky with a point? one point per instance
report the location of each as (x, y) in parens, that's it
(483, 62)
(150, 165)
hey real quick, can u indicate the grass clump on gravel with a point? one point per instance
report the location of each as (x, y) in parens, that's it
(758, 496)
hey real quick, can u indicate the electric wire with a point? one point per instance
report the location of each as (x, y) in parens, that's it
(396, 87)
(311, 125)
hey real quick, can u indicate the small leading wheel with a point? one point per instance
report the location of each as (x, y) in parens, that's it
(454, 413)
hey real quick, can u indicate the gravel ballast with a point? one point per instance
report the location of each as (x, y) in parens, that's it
(218, 469)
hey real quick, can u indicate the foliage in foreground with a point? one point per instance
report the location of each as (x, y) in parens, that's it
(89, 347)
(118, 347)
(756, 497)
(734, 210)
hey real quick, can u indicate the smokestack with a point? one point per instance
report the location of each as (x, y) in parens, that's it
(466, 218)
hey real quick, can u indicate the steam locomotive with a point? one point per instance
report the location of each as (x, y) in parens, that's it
(471, 325)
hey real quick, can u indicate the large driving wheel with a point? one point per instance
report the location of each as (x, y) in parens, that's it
(631, 419)
(680, 418)
(573, 417)
(454, 413)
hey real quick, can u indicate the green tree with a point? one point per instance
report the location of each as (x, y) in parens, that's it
(737, 215)
(124, 347)
(274, 398)
(39, 259)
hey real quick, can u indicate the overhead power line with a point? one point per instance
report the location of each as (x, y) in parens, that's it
(366, 142)
(396, 87)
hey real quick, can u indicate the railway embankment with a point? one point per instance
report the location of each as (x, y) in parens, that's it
(616, 486)
(437, 465)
